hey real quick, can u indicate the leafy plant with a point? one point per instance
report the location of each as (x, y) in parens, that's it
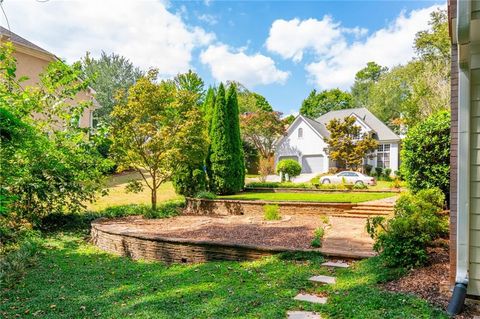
(378, 171)
(288, 167)
(271, 212)
(317, 237)
(206, 195)
(403, 240)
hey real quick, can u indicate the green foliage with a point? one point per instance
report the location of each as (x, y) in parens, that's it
(250, 102)
(277, 185)
(346, 144)
(49, 164)
(238, 157)
(193, 83)
(226, 162)
(317, 104)
(159, 131)
(110, 75)
(271, 212)
(425, 154)
(209, 107)
(290, 167)
(403, 240)
(378, 171)
(360, 186)
(365, 79)
(206, 195)
(317, 237)
(326, 197)
(188, 181)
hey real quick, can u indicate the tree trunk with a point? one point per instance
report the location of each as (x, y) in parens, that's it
(154, 193)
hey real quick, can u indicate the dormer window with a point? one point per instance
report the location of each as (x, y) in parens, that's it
(300, 133)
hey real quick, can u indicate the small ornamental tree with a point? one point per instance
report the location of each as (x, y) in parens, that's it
(157, 131)
(425, 154)
(346, 143)
(288, 167)
(238, 158)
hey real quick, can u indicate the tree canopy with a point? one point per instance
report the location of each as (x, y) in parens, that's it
(317, 104)
(365, 79)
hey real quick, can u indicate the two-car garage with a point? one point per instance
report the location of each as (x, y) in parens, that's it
(310, 163)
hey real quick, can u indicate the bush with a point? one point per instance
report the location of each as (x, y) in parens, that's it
(188, 181)
(277, 185)
(425, 154)
(206, 195)
(378, 171)
(317, 237)
(360, 186)
(387, 172)
(290, 167)
(271, 212)
(403, 240)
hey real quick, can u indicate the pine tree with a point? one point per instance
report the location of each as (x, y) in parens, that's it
(238, 164)
(221, 158)
(208, 107)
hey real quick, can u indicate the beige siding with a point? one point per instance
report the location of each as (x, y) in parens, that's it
(474, 285)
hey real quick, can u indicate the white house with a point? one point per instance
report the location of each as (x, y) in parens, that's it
(304, 141)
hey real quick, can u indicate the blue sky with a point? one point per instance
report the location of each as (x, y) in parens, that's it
(281, 49)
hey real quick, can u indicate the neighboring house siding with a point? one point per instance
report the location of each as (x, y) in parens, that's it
(310, 143)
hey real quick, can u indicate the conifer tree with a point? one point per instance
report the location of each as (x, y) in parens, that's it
(222, 180)
(208, 107)
(238, 162)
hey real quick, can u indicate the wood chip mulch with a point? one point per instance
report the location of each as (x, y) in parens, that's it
(430, 282)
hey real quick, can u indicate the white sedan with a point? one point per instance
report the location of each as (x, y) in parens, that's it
(349, 177)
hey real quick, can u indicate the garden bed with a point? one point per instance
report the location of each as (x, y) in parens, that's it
(206, 238)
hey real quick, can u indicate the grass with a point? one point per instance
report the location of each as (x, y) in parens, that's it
(118, 196)
(311, 197)
(271, 212)
(73, 279)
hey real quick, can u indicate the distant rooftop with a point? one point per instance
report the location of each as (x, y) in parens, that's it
(15, 38)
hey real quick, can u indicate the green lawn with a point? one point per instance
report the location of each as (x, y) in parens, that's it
(73, 279)
(311, 197)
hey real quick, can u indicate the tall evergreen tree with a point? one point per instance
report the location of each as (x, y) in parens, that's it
(208, 107)
(236, 140)
(222, 179)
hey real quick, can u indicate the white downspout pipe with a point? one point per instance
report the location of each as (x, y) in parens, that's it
(463, 167)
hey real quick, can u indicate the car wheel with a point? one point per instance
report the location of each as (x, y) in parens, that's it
(326, 181)
(359, 183)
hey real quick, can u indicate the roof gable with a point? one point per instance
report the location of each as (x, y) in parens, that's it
(15, 38)
(384, 133)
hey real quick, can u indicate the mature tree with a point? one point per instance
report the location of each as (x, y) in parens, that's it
(48, 164)
(262, 129)
(111, 74)
(347, 144)
(222, 169)
(236, 140)
(317, 104)
(249, 101)
(208, 107)
(425, 154)
(191, 82)
(157, 130)
(288, 120)
(434, 44)
(364, 80)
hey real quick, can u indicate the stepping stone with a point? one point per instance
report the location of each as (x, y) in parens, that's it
(311, 298)
(323, 279)
(302, 315)
(335, 264)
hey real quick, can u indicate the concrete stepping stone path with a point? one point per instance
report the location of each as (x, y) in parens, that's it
(339, 264)
(311, 298)
(323, 279)
(302, 315)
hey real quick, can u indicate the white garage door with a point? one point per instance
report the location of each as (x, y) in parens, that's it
(312, 164)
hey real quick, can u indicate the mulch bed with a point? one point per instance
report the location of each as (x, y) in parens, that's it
(430, 282)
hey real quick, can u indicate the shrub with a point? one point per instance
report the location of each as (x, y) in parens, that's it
(360, 186)
(397, 183)
(367, 168)
(387, 172)
(317, 237)
(403, 240)
(378, 171)
(290, 167)
(188, 181)
(206, 195)
(271, 212)
(425, 154)
(277, 185)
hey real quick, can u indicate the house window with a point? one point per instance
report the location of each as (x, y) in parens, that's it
(300, 133)
(383, 156)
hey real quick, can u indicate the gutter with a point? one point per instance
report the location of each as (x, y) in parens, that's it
(457, 300)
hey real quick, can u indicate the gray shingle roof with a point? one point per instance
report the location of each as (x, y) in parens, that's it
(384, 133)
(319, 127)
(15, 38)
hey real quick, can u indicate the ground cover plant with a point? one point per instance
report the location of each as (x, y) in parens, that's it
(355, 197)
(60, 285)
(271, 212)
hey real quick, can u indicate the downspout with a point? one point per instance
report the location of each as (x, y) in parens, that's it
(463, 170)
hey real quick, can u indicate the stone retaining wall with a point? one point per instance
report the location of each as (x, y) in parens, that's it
(195, 206)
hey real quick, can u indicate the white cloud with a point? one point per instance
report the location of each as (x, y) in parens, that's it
(228, 64)
(336, 59)
(208, 18)
(144, 31)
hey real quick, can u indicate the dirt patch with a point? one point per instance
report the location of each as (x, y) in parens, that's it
(430, 282)
(292, 232)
